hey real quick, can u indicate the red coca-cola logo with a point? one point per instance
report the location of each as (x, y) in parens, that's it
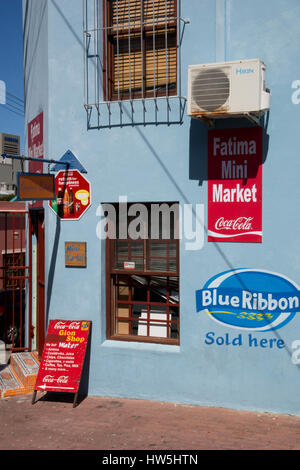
(74, 325)
(241, 223)
(48, 378)
(63, 379)
(60, 324)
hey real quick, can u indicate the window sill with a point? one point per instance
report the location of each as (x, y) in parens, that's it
(139, 346)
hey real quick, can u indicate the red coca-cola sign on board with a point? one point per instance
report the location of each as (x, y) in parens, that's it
(63, 356)
(235, 185)
(73, 195)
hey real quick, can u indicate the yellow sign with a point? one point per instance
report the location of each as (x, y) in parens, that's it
(75, 254)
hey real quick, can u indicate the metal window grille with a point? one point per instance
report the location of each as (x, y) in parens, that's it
(132, 62)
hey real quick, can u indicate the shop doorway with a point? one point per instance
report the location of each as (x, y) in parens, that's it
(15, 278)
(38, 242)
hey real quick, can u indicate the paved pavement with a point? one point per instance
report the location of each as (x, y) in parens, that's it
(115, 424)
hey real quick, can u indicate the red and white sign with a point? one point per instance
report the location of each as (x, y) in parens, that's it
(129, 265)
(235, 185)
(63, 356)
(35, 129)
(73, 195)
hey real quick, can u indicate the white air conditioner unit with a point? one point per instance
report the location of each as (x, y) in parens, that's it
(227, 89)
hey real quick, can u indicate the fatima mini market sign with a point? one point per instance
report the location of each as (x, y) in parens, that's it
(235, 185)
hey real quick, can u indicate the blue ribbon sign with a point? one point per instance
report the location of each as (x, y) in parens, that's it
(249, 299)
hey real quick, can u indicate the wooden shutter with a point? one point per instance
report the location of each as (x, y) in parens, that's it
(144, 47)
(159, 69)
(130, 13)
(161, 60)
(125, 14)
(127, 69)
(145, 256)
(159, 9)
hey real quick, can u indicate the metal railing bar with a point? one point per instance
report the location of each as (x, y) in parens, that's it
(129, 48)
(172, 19)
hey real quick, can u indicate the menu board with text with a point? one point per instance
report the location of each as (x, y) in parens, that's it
(63, 356)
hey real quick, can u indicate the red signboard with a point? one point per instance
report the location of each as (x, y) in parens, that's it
(235, 185)
(73, 195)
(63, 356)
(36, 150)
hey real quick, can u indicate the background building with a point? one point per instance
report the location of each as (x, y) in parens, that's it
(111, 81)
(9, 144)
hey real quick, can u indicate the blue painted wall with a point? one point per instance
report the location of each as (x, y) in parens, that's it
(167, 163)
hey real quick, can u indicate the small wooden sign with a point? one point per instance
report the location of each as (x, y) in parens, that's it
(75, 254)
(35, 186)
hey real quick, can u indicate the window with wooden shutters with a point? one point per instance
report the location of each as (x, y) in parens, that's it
(143, 283)
(141, 46)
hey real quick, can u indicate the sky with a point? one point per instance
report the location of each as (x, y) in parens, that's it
(11, 69)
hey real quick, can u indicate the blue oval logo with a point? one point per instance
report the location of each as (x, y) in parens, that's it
(250, 299)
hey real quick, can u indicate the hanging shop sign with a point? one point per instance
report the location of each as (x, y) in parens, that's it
(35, 186)
(63, 356)
(235, 185)
(73, 195)
(75, 254)
(35, 133)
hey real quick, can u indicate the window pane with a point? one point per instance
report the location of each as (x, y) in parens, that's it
(156, 324)
(122, 293)
(172, 265)
(174, 316)
(131, 252)
(160, 63)
(122, 325)
(160, 9)
(137, 248)
(124, 12)
(138, 311)
(162, 256)
(158, 281)
(139, 288)
(121, 248)
(121, 253)
(123, 310)
(161, 60)
(121, 280)
(127, 70)
(156, 264)
(158, 249)
(173, 249)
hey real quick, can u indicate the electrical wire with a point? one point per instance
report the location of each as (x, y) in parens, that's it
(12, 108)
(16, 108)
(14, 96)
(12, 111)
(15, 103)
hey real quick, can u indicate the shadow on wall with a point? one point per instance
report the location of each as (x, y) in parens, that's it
(198, 166)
